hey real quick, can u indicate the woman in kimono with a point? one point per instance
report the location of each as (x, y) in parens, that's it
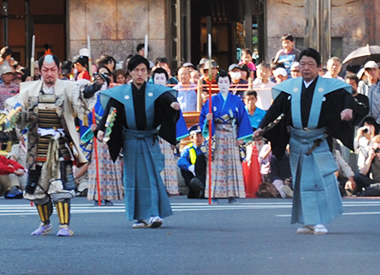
(230, 128)
(169, 174)
(108, 172)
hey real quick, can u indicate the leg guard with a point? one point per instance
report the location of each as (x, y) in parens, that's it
(45, 211)
(63, 211)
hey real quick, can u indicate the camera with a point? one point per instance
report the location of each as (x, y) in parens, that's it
(365, 129)
(377, 150)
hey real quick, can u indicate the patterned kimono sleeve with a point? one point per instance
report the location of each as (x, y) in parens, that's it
(81, 106)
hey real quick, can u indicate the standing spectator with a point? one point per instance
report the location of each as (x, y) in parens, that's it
(140, 49)
(239, 85)
(231, 127)
(255, 114)
(334, 66)
(81, 64)
(7, 87)
(214, 72)
(246, 59)
(106, 61)
(162, 62)
(288, 54)
(195, 76)
(280, 75)
(119, 76)
(295, 70)
(187, 96)
(263, 86)
(361, 101)
(371, 89)
(193, 164)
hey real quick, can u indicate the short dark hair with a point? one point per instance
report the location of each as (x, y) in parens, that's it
(83, 60)
(161, 60)
(310, 52)
(42, 58)
(137, 60)
(352, 76)
(223, 73)
(250, 92)
(287, 36)
(160, 71)
(246, 51)
(140, 46)
(106, 59)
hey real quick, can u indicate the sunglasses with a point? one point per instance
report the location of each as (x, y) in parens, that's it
(377, 150)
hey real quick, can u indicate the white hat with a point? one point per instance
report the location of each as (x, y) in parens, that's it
(5, 69)
(294, 65)
(280, 71)
(371, 65)
(84, 52)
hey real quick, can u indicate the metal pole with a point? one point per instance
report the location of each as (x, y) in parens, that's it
(5, 13)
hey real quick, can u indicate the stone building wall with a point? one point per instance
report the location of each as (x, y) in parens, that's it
(116, 27)
(347, 21)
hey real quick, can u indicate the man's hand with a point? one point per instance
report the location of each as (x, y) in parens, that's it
(209, 116)
(346, 114)
(258, 133)
(100, 135)
(175, 106)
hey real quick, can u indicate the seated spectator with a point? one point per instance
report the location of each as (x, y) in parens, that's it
(255, 114)
(281, 175)
(193, 164)
(280, 75)
(18, 154)
(368, 128)
(239, 85)
(295, 70)
(345, 175)
(370, 172)
(265, 156)
(9, 183)
(187, 95)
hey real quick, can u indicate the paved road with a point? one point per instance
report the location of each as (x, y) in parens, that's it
(253, 237)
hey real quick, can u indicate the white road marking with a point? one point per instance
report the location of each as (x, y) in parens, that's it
(27, 209)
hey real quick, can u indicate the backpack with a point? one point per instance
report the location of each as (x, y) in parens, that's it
(267, 190)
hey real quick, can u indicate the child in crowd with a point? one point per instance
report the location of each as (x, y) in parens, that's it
(288, 54)
(246, 58)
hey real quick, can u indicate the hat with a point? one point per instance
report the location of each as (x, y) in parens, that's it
(195, 129)
(294, 65)
(280, 71)
(203, 61)
(84, 52)
(5, 69)
(360, 73)
(233, 66)
(213, 64)
(371, 65)
(188, 64)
